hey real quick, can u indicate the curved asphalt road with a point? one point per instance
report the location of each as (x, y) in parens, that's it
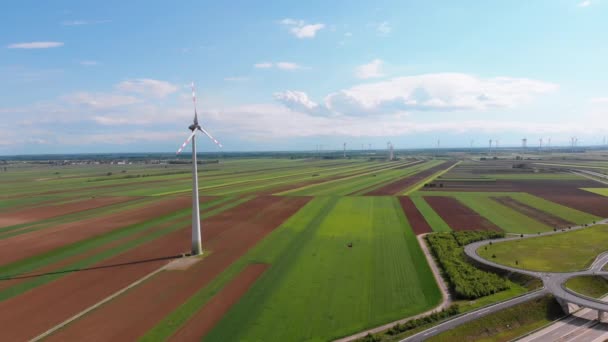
(553, 284)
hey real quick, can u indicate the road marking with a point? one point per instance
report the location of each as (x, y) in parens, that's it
(577, 332)
(430, 332)
(482, 312)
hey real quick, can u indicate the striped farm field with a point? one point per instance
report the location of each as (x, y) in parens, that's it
(335, 289)
(308, 249)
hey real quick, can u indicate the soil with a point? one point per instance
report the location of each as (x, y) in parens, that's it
(402, 184)
(46, 212)
(318, 180)
(539, 215)
(36, 242)
(457, 215)
(12, 280)
(205, 319)
(414, 216)
(226, 237)
(564, 192)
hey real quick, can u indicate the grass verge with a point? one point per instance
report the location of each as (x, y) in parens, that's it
(546, 253)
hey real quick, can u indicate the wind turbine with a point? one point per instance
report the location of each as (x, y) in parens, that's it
(197, 248)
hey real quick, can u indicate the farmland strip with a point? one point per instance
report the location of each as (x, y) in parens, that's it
(457, 215)
(402, 184)
(37, 242)
(228, 235)
(204, 320)
(415, 218)
(544, 217)
(45, 212)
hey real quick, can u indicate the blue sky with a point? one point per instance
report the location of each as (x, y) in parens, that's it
(113, 76)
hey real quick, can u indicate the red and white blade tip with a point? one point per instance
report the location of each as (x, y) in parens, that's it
(210, 137)
(186, 143)
(193, 93)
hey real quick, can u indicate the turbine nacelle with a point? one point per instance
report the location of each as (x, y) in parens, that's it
(196, 127)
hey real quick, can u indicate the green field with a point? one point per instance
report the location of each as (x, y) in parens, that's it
(336, 290)
(546, 253)
(316, 287)
(507, 324)
(362, 182)
(592, 286)
(433, 219)
(599, 191)
(504, 217)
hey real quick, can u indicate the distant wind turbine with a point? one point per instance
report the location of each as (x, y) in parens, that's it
(197, 248)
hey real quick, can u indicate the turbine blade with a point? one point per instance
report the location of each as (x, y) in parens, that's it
(210, 136)
(194, 103)
(186, 142)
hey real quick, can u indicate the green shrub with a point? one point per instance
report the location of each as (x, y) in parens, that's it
(434, 317)
(465, 280)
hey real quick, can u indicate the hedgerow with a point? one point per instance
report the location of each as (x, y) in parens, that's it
(465, 280)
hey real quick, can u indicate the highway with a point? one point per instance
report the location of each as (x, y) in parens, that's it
(553, 283)
(579, 327)
(473, 315)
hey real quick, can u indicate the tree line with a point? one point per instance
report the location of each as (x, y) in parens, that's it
(465, 280)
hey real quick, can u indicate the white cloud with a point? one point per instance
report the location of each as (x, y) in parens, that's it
(259, 122)
(278, 65)
(301, 29)
(599, 100)
(307, 31)
(299, 101)
(371, 70)
(370, 110)
(236, 79)
(263, 65)
(147, 87)
(100, 101)
(383, 28)
(585, 3)
(83, 22)
(288, 66)
(89, 63)
(35, 45)
(437, 92)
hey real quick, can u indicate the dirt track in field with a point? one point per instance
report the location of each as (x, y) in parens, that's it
(458, 216)
(538, 215)
(402, 184)
(227, 236)
(414, 216)
(36, 242)
(46, 212)
(205, 319)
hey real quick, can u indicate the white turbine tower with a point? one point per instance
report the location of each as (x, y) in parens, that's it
(197, 248)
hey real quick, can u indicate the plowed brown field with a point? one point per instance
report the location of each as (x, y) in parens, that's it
(415, 218)
(227, 237)
(457, 215)
(541, 216)
(564, 192)
(45, 212)
(204, 320)
(40, 241)
(402, 184)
